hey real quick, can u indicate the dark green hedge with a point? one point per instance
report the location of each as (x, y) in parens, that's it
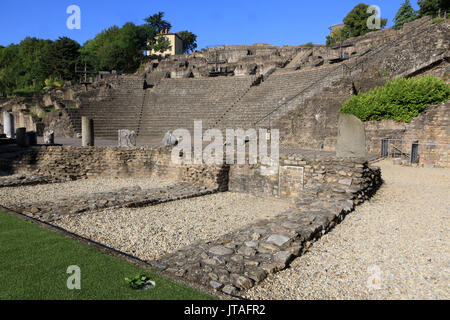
(400, 100)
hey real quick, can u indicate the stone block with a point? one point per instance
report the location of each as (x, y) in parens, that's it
(127, 138)
(351, 141)
(49, 137)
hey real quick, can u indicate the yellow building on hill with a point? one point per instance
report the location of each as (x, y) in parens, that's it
(176, 45)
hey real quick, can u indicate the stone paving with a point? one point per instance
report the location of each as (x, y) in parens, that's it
(241, 259)
(238, 258)
(395, 246)
(130, 197)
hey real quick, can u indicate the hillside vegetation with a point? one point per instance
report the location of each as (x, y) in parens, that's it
(400, 100)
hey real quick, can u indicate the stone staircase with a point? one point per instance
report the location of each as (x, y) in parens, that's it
(276, 90)
(177, 103)
(119, 108)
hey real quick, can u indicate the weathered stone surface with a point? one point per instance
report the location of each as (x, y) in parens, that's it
(257, 275)
(127, 138)
(169, 139)
(241, 282)
(346, 182)
(87, 132)
(247, 251)
(49, 137)
(278, 239)
(8, 124)
(229, 289)
(282, 257)
(251, 244)
(351, 141)
(220, 250)
(216, 285)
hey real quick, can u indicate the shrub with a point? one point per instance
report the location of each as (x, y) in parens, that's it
(400, 100)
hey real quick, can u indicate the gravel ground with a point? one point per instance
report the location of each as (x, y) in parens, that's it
(46, 192)
(394, 247)
(152, 232)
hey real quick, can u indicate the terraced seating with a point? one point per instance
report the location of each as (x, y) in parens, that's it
(119, 108)
(176, 103)
(277, 89)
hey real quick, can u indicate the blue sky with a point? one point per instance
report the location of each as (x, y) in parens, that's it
(278, 22)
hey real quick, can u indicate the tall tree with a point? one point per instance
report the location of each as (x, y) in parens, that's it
(115, 49)
(432, 7)
(405, 14)
(355, 24)
(157, 22)
(64, 54)
(356, 21)
(189, 41)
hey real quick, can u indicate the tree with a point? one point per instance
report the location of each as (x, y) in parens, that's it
(189, 41)
(335, 36)
(157, 22)
(405, 14)
(355, 25)
(63, 54)
(356, 21)
(161, 44)
(115, 49)
(432, 7)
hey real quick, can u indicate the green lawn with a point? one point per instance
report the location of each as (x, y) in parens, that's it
(34, 262)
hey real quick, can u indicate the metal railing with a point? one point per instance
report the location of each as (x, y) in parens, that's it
(415, 152)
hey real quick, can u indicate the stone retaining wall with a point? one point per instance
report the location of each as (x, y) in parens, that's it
(303, 177)
(69, 163)
(241, 259)
(431, 129)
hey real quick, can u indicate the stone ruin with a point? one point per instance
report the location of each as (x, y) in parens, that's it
(297, 90)
(321, 190)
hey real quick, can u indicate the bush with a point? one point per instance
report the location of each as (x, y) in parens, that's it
(400, 100)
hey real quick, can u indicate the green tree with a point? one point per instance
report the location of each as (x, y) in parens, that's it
(356, 21)
(10, 68)
(63, 55)
(115, 49)
(157, 22)
(355, 25)
(432, 7)
(189, 41)
(161, 44)
(405, 14)
(335, 36)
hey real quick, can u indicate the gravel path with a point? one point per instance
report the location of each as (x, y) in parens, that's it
(45, 192)
(394, 247)
(152, 232)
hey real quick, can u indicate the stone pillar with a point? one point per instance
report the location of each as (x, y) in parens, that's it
(87, 132)
(8, 124)
(21, 137)
(49, 137)
(127, 138)
(31, 138)
(351, 141)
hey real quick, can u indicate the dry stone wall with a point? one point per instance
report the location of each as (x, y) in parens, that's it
(324, 191)
(69, 163)
(431, 130)
(305, 177)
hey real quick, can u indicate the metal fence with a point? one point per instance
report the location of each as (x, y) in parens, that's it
(415, 152)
